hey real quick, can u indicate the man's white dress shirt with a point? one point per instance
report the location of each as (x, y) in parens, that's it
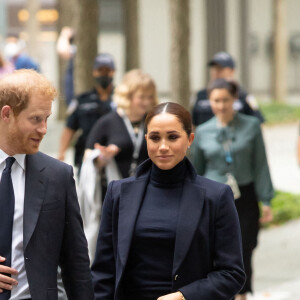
(21, 291)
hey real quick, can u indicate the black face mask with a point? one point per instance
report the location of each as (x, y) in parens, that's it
(103, 81)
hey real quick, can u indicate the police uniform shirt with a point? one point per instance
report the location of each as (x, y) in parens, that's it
(202, 111)
(84, 112)
(87, 109)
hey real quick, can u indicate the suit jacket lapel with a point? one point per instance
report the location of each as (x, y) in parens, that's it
(35, 187)
(188, 220)
(132, 194)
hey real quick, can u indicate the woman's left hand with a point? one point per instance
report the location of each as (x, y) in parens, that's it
(173, 296)
(107, 152)
(267, 215)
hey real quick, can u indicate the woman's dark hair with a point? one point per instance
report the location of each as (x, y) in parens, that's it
(174, 109)
(221, 83)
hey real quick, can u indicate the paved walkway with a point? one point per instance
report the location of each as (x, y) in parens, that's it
(281, 146)
(277, 259)
(277, 263)
(50, 143)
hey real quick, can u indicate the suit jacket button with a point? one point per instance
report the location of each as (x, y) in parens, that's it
(176, 276)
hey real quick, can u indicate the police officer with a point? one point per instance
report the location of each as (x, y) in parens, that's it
(222, 65)
(88, 107)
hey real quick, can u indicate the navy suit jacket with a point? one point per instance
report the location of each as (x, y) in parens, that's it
(53, 232)
(208, 257)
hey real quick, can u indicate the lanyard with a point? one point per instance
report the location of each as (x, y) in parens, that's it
(226, 146)
(225, 139)
(136, 140)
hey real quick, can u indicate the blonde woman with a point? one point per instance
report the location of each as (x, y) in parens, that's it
(120, 134)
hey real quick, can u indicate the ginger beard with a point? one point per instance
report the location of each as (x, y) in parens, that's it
(26, 130)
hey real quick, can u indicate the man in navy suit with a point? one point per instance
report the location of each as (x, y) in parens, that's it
(38, 203)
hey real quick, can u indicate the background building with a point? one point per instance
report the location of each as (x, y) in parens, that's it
(244, 28)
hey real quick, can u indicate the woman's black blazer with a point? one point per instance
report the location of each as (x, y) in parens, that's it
(208, 261)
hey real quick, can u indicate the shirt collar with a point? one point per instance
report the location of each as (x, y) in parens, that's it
(20, 158)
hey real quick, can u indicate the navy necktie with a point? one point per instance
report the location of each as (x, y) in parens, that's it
(7, 208)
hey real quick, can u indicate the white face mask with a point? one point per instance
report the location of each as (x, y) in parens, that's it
(11, 50)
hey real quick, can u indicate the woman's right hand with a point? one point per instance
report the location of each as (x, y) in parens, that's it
(267, 215)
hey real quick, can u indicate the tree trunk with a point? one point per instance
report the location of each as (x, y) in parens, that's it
(86, 31)
(33, 29)
(244, 38)
(215, 27)
(131, 34)
(3, 19)
(280, 51)
(180, 38)
(66, 18)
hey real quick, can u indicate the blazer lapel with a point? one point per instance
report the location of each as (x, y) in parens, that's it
(34, 195)
(132, 194)
(188, 220)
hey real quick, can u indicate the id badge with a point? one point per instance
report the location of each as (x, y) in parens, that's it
(231, 181)
(133, 167)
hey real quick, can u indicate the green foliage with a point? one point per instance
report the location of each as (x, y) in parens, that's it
(285, 207)
(276, 113)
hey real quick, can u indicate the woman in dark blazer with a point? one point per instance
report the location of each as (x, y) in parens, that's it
(167, 233)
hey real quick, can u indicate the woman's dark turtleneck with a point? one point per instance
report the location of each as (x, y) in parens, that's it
(165, 177)
(150, 263)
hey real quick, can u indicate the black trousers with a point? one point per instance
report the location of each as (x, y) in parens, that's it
(248, 211)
